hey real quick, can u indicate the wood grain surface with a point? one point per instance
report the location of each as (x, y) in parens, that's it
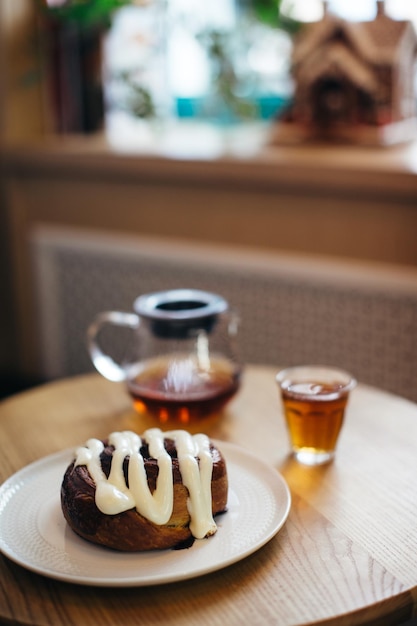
(346, 555)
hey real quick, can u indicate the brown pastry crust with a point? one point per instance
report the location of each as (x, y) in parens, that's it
(130, 531)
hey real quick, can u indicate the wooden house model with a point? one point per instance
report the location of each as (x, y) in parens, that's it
(353, 81)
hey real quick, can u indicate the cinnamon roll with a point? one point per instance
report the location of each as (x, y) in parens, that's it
(151, 492)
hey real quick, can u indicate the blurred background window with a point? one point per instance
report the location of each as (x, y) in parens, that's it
(220, 62)
(183, 59)
(365, 9)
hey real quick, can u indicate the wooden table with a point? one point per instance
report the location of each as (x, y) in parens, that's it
(347, 554)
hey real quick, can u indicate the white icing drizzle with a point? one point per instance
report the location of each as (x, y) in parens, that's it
(113, 496)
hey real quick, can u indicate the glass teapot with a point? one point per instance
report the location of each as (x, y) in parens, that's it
(182, 363)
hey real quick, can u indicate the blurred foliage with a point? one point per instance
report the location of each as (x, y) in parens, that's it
(138, 99)
(85, 13)
(270, 12)
(91, 15)
(225, 82)
(224, 79)
(90, 12)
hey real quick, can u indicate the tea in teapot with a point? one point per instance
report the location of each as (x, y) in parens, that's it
(183, 362)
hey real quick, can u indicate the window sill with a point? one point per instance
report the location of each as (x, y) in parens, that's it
(200, 154)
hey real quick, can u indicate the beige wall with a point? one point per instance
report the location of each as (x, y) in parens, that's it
(305, 202)
(21, 90)
(21, 117)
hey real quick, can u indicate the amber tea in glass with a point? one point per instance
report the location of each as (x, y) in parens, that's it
(314, 401)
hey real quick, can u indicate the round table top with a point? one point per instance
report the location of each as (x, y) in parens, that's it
(346, 554)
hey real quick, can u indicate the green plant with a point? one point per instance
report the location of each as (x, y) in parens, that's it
(225, 81)
(138, 100)
(270, 12)
(86, 13)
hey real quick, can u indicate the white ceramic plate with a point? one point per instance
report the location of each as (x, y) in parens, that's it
(34, 533)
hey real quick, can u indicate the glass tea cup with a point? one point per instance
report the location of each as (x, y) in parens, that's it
(314, 400)
(182, 362)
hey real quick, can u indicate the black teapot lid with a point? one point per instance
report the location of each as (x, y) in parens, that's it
(176, 312)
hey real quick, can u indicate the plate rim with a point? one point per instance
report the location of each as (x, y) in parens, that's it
(154, 579)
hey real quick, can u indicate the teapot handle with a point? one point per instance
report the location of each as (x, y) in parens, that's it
(103, 362)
